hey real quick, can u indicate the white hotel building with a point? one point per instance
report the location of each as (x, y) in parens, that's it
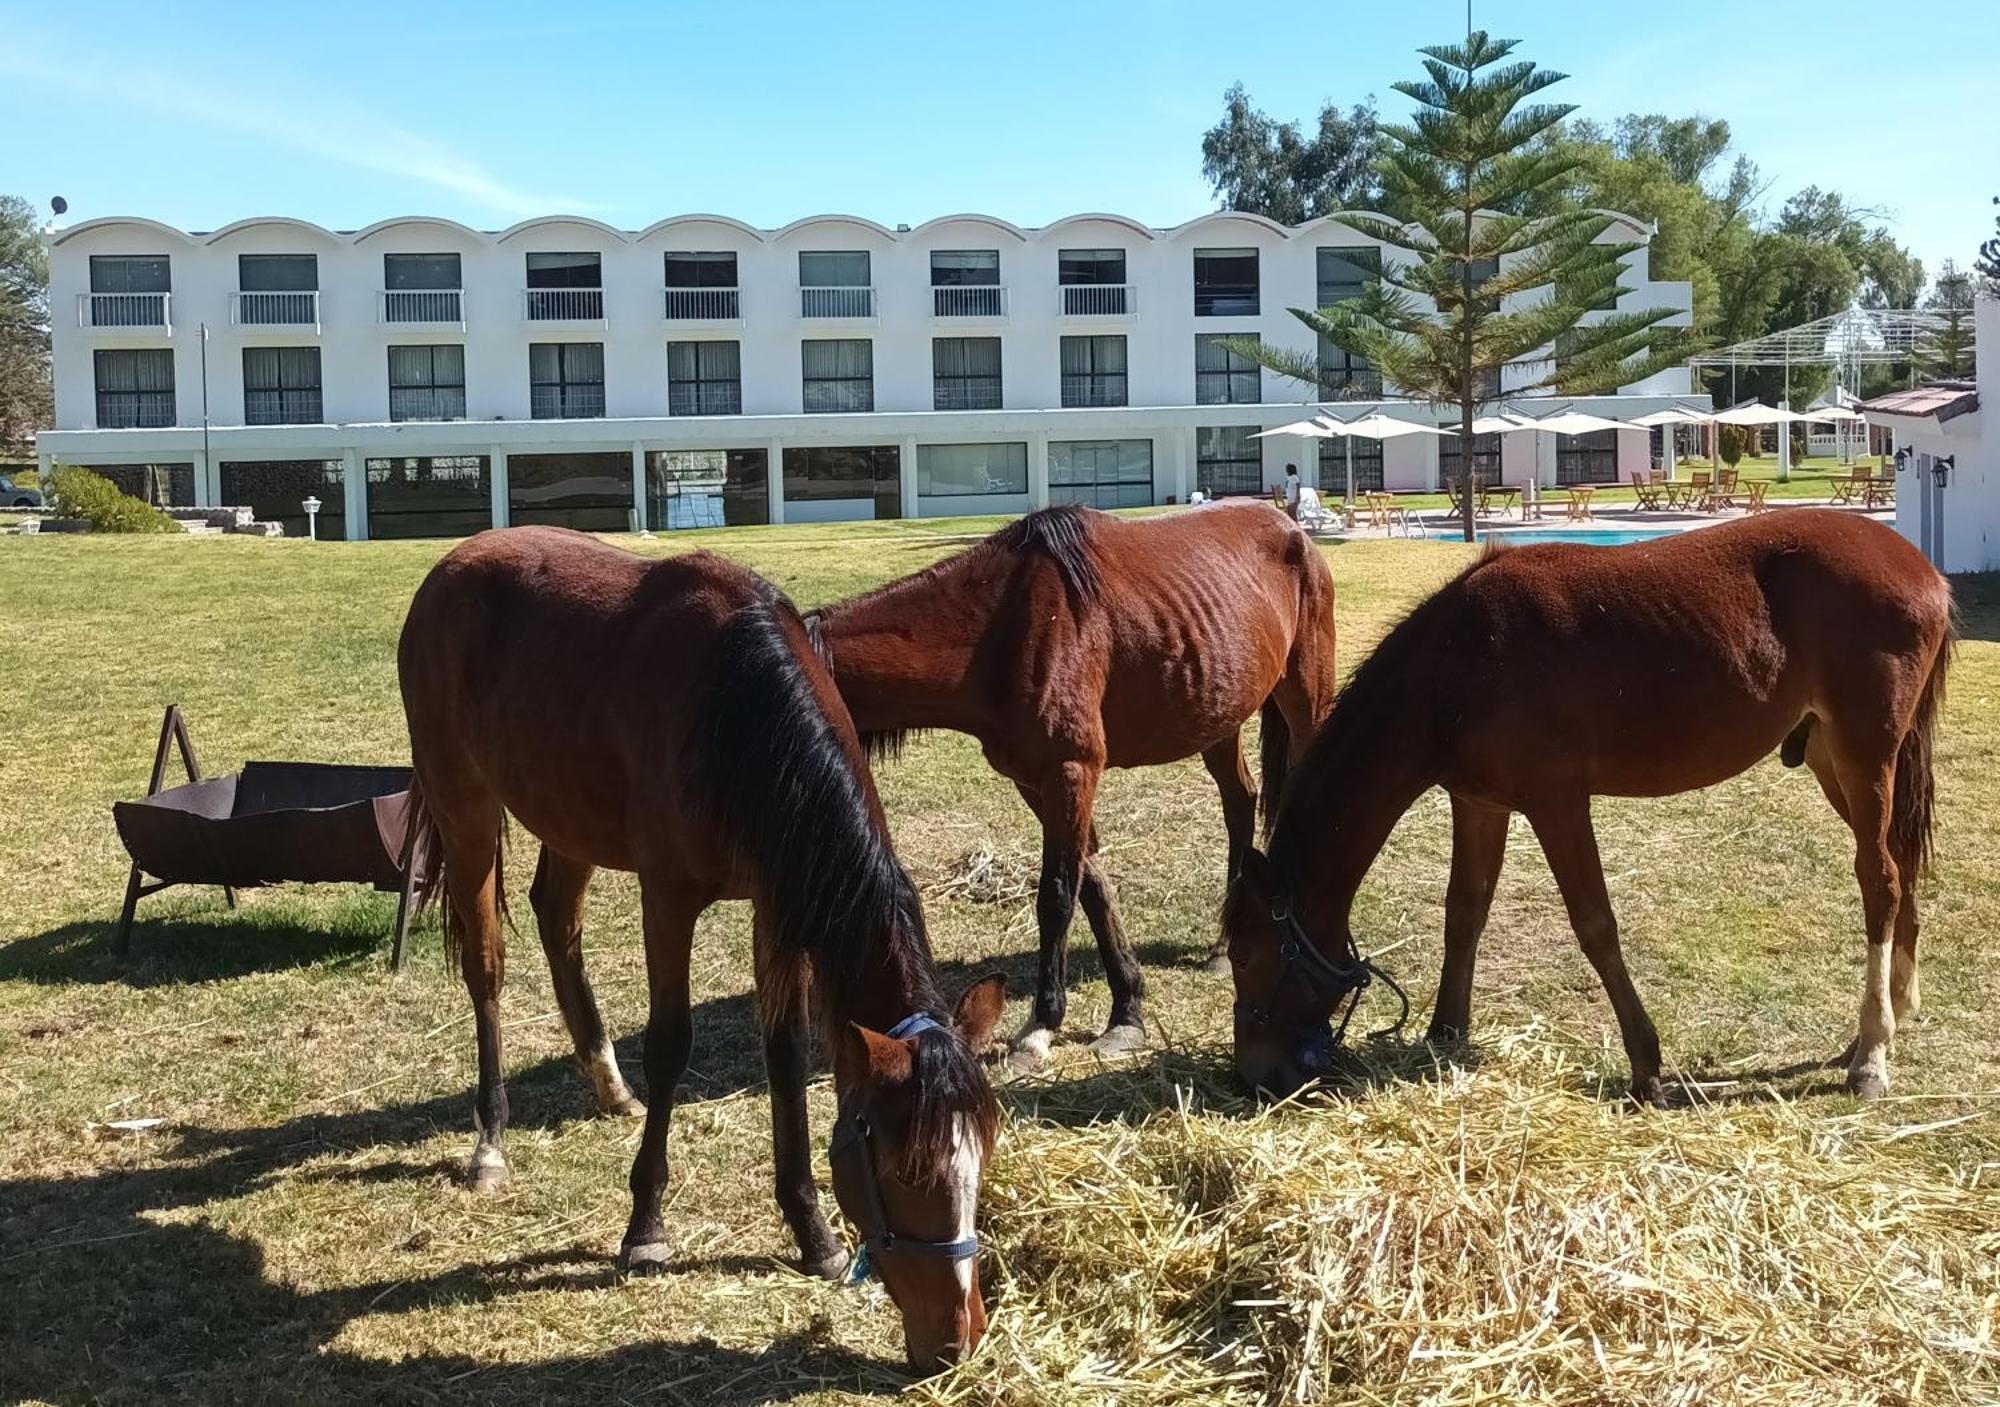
(422, 378)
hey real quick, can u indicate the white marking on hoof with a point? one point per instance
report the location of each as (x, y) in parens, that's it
(1031, 1048)
(614, 1096)
(1217, 963)
(487, 1171)
(646, 1258)
(1119, 1041)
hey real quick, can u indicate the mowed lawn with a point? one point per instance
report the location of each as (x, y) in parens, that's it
(294, 1230)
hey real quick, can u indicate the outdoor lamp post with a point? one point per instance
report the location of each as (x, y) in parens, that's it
(311, 505)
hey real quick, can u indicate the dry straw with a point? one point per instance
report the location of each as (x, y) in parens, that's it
(1504, 1234)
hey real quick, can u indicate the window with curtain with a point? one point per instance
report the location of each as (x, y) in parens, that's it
(1589, 458)
(566, 380)
(427, 383)
(1485, 459)
(833, 268)
(277, 273)
(1333, 465)
(1225, 283)
(583, 270)
(1224, 377)
(839, 374)
(1101, 473)
(1344, 275)
(693, 268)
(1227, 461)
(1093, 371)
(135, 388)
(418, 272)
(960, 268)
(130, 273)
(281, 386)
(704, 378)
(965, 471)
(1085, 267)
(965, 373)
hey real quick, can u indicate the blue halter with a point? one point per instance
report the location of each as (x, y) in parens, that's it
(850, 1131)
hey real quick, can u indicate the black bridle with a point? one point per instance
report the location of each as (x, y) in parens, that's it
(852, 1131)
(1339, 979)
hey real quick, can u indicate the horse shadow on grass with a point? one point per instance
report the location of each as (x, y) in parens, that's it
(185, 949)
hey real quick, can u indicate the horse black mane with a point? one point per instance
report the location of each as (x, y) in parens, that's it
(777, 776)
(1062, 534)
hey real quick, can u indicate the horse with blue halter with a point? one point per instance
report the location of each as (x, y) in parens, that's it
(1543, 676)
(670, 718)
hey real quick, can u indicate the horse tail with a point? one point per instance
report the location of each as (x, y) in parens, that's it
(427, 855)
(1911, 808)
(1275, 752)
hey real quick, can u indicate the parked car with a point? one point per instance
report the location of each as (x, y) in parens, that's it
(13, 497)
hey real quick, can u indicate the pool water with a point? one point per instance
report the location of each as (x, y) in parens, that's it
(1590, 537)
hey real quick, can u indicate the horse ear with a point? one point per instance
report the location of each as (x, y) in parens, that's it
(869, 1057)
(978, 1010)
(1256, 870)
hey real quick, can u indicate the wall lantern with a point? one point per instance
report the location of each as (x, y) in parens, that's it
(1941, 468)
(1902, 457)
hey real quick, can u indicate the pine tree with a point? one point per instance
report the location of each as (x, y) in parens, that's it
(1485, 284)
(1950, 351)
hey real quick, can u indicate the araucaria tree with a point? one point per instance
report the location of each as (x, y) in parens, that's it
(1489, 278)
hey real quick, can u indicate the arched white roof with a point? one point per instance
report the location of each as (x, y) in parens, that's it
(282, 221)
(1345, 219)
(1098, 217)
(858, 221)
(437, 221)
(539, 221)
(113, 221)
(991, 221)
(725, 221)
(1631, 222)
(1262, 222)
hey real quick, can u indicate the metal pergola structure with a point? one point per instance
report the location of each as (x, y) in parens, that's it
(1846, 342)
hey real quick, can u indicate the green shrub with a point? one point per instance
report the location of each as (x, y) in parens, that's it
(1729, 443)
(78, 493)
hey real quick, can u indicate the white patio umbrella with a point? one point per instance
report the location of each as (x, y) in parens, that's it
(1570, 422)
(1757, 413)
(1669, 421)
(1374, 426)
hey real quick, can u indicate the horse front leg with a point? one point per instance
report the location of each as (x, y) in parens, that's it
(557, 897)
(670, 909)
(1226, 764)
(1478, 848)
(786, 1046)
(1570, 843)
(1126, 1030)
(1065, 802)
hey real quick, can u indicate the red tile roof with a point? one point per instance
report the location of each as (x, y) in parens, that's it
(1940, 401)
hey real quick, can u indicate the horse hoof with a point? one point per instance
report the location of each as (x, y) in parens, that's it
(1867, 1084)
(1649, 1093)
(1119, 1041)
(1031, 1050)
(1444, 1035)
(488, 1171)
(626, 1107)
(646, 1258)
(827, 1267)
(1217, 964)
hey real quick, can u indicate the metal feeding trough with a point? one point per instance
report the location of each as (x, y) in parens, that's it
(271, 823)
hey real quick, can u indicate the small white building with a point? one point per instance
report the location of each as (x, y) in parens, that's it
(423, 378)
(1948, 459)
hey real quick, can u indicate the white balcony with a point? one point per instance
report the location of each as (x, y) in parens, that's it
(843, 302)
(704, 305)
(421, 307)
(126, 312)
(969, 300)
(287, 310)
(571, 305)
(1098, 300)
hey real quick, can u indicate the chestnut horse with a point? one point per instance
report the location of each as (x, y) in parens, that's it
(1543, 676)
(1072, 641)
(671, 718)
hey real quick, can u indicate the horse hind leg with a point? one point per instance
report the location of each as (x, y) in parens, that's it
(470, 838)
(557, 897)
(1231, 770)
(1866, 787)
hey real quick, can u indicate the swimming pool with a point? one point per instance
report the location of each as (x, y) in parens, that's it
(1590, 537)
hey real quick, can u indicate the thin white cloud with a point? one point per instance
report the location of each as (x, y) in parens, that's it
(310, 125)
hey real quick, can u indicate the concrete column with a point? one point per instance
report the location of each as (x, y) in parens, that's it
(354, 493)
(497, 462)
(1431, 443)
(1784, 445)
(1038, 469)
(1185, 452)
(638, 487)
(906, 473)
(1670, 436)
(775, 479)
(204, 481)
(1545, 459)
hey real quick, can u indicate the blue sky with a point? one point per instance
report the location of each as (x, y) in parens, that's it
(345, 113)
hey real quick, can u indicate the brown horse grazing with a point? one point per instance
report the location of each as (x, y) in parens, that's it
(1072, 641)
(1543, 676)
(670, 718)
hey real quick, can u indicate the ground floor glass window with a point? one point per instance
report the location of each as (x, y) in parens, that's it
(707, 488)
(958, 471)
(438, 496)
(1333, 466)
(1101, 473)
(830, 475)
(1227, 461)
(276, 490)
(1590, 458)
(589, 492)
(163, 485)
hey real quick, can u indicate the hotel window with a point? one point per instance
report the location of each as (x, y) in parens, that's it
(1225, 283)
(427, 383)
(834, 283)
(965, 283)
(1344, 275)
(128, 290)
(1223, 376)
(1093, 282)
(1093, 371)
(702, 284)
(421, 288)
(566, 380)
(281, 386)
(1589, 458)
(135, 388)
(1333, 465)
(435, 496)
(969, 471)
(844, 478)
(704, 378)
(839, 374)
(1227, 461)
(1485, 459)
(965, 373)
(1101, 473)
(276, 289)
(565, 287)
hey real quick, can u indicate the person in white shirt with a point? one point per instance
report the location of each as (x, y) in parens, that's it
(1292, 491)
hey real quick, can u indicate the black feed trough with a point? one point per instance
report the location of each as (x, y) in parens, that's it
(271, 823)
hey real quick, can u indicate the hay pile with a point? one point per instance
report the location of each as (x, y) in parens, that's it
(1505, 1234)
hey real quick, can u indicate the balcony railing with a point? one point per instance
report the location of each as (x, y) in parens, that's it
(1099, 300)
(566, 402)
(705, 398)
(847, 302)
(969, 300)
(423, 307)
(704, 305)
(427, 403)
(564, 304)
(135, 310)
(287, 309)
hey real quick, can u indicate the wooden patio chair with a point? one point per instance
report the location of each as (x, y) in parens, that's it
(1648, 487)
(1855, 488)
(1722, 495)
(1880, 492)
(1692, 493)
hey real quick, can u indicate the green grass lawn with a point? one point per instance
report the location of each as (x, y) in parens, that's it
(294, 1230)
